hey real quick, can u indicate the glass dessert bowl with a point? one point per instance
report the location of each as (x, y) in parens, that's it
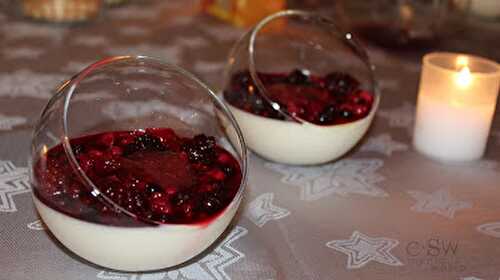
(302, 90)
(130, 168)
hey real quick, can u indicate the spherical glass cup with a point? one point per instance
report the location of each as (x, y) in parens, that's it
(280, 43)
(127, 93)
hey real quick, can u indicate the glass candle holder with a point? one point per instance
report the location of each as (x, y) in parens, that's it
(130, 168)
(456, 104)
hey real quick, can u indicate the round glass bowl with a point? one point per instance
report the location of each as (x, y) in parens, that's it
(302, 90)
(130, 168)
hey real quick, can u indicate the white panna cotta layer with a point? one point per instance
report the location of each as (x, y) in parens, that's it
(299, 144)
(134, 248)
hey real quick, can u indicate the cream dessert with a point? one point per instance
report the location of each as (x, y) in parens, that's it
(180, 195)
(336, 113)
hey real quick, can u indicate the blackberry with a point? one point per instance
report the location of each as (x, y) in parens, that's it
(298, 77)
(145, 142)
(201, 149)
(340, 83)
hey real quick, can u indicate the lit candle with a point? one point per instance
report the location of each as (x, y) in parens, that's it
(456, 104)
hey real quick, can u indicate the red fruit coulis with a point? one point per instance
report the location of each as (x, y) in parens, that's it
(153, 173)
(335, 98)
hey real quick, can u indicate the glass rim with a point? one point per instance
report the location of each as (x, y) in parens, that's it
(348, 40)
(427, 61)
(73, 82)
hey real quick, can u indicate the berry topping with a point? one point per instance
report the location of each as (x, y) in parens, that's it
(154, 174)
(201, 149)
(333, 99)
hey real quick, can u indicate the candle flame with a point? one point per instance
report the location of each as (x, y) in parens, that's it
(464, 78)
(462, 61)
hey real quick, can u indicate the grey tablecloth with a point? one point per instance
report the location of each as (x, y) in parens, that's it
(382, 212)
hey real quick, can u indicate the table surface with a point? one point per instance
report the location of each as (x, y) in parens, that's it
(382, 212)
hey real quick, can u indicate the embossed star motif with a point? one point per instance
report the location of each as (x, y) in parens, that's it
(36, 225)
(383, 144)
(345, 177)
(9, 122)
(210, 267)
(439, 202)
(13, 181)
(491, 229)
(401, 117)
(361, 249)
(262, 210)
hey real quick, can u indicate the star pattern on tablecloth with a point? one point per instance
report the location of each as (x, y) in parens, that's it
(383, 144)
(262, 210)
(26, 83)
(439, 202)
(171, 53)
(491, 229)
(401, 117)
(9, 122)
(362, 249)
(13, 181)
(210, 267)
(36, 225)
(344, 177)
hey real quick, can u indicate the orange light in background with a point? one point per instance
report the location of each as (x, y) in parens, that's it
(243, 13)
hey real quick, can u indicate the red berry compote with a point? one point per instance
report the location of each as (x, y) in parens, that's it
(153, 173)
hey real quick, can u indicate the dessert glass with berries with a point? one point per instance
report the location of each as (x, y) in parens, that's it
(302, 90)
(130, 167)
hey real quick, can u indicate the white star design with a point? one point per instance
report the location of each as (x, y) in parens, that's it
(491, 229)
(348, 176)
(471, 278)
(362, 249)
(36, 225)
(383, 144)
(401, 117)
(210, 267)
(13, 181)
(262, 210)
(9, 122)
(439, 202)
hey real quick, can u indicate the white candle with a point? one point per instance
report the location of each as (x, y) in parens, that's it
(456, 104)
